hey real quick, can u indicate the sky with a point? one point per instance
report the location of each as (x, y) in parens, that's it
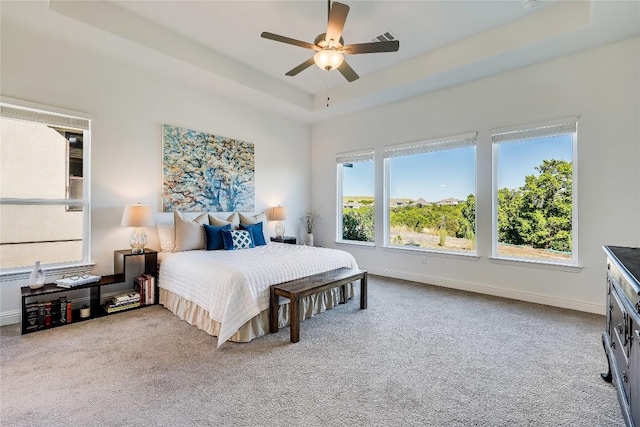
(451, 173)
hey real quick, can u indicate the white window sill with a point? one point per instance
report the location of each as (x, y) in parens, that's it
(23, 273)
(470, 256)
(537, 264)
(356, 243)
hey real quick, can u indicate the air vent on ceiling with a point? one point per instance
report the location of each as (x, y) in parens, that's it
(387, 36)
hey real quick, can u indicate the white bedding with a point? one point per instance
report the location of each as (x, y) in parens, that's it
(233, 286)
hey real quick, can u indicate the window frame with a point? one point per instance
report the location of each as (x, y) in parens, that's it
(549, 128)
(469, 139)
(350, 157)
(16, 109)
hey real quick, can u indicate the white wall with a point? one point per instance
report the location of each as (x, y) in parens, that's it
(128, 107)
(599, 85)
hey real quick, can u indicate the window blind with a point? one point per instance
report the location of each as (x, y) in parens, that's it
(419, 147)
(359, 156)
(16, 112)
(559, 127)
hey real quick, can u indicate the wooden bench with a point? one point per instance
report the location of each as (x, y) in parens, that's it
(297, 289)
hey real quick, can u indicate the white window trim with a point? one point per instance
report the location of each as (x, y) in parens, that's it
(54, 116)
(469, 139)
(547, 128)
(341, 158)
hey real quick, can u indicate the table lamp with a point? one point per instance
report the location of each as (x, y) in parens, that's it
(279, 214)
(137, 216)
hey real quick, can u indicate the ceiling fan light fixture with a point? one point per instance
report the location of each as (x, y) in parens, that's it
(328, 59)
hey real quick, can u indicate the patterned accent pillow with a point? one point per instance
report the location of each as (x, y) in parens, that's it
(237, 239)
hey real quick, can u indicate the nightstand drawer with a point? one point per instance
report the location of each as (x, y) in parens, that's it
(285, 239)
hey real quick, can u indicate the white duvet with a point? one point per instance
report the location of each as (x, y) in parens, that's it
(233, 286)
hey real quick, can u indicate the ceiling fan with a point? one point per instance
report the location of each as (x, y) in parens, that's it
(330, 48)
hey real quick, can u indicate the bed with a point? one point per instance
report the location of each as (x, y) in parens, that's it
(226, 292)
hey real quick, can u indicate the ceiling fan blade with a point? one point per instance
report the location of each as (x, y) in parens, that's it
(374, 47)
(348, 73)
(288, 40)
(306, 64)
(337, 18)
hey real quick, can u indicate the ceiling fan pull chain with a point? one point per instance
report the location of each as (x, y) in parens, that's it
(327, 89)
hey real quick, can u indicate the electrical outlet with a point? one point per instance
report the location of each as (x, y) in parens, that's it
(423, 260)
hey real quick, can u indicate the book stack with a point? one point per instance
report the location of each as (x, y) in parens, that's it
(71, 283)
(44, 315)
(146, 285)
(123, 302)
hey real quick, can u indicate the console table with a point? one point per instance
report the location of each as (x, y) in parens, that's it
(119, 269)
(621, 337)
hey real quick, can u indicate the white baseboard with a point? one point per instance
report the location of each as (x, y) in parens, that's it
(14, 316)
(490, 290)
(10, 317)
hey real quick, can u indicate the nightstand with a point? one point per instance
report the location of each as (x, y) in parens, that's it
(285, 239)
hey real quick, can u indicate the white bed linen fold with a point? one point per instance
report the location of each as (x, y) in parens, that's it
(233, 286)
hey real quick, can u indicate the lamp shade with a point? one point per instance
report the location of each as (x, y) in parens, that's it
(137, 216)
(328, 59)
(278, 213)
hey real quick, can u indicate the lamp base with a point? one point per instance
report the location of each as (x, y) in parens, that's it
(138, 240)
(279, 230)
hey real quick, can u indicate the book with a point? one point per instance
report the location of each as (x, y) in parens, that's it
(69, 312)
(47, 314)
(152, 288)
(55, 312)
(70, 283)
(125, 298)
(40, 315)
(32, 316)
(63, 310)
(115, 308)
(139, 285)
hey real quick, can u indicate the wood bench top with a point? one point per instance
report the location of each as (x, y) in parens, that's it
(311, 284)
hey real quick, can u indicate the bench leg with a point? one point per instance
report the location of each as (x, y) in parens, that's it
(363, 291)
(274, 306)
(294, 319)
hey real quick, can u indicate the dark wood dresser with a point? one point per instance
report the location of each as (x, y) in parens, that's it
(621, 337)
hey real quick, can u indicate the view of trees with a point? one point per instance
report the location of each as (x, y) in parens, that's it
(538, 214)
(458, 220)
(358, 224)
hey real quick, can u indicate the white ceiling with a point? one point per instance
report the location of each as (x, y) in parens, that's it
(216, 45)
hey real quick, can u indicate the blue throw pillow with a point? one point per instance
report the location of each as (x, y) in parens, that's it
(256, 233)
(213, 236)
(237, 239)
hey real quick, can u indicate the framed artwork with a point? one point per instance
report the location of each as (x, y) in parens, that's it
(202, 172)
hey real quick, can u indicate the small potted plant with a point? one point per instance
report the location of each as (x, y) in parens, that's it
(85, 311)
(310, 219)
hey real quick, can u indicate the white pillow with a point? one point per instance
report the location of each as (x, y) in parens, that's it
(233, 219)
(166, 233)
(246, 219)
(189, 233)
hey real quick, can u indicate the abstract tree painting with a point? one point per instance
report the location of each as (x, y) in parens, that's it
(206, 173)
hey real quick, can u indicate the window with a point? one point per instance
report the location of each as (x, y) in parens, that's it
(534, 193)
(356, 207)
(44, 210)
(431, 194)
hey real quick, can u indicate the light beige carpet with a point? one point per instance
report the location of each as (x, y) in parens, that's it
(418, 356)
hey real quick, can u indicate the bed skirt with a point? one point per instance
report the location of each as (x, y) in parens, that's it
(258, 325)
